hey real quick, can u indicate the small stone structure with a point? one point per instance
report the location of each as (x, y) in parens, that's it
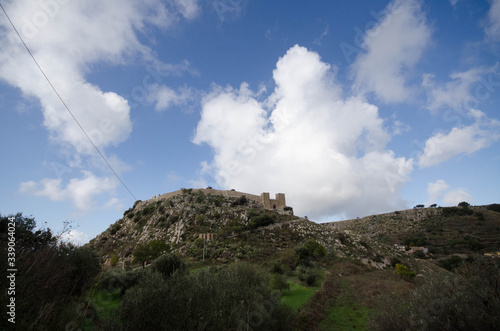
(278, 203)
(206, 236)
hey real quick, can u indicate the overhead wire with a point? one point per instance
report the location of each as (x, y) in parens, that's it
(64, 103)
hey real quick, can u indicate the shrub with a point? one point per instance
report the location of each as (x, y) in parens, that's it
(276, 268)
(302, 254)
(494, 207)
(119, 279)
(394, 261)
(280, 283)
(167, 264)
(451, 263)
(115, 228)
(442, 303)
(261, 220)
(314, 248)
(311, 278)
(457, 211)
(114, 259)
(241, 201)
(405, 272)
(419, 254)
(208, 299)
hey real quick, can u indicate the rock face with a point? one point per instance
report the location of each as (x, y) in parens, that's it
(178, 218)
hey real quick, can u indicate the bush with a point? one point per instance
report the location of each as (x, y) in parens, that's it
(405, 272)
(280, 283)
(314, 248)
(451, 263)
(442, 303)
(167, 264)
(241, 201)
(494, 207)
(276, 268)
(119, 279)
(394, 261)
(261, 220)
(230, 298)
(457, 211)
(302, 254)
(419, 254)
(311, 278)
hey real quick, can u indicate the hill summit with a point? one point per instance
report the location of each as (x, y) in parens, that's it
(234, 225)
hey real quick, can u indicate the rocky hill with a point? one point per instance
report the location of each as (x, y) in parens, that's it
(237, 228)
(445, 230)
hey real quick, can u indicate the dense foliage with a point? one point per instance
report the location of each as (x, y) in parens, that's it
(227, 298)
(51, 277)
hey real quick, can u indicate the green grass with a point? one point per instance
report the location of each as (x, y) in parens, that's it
(105, 304)
(346, 313)
(298, 295)
(347, 317)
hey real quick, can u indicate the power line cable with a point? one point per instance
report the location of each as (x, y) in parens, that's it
(64, 103)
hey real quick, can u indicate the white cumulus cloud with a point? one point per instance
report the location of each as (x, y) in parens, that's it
(80, 191)
(325, 151)
(67, 38)
(390, 51)
(463, 140)
(435, 191)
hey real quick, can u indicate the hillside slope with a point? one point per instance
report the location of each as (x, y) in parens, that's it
(445, 230)
(241, 229)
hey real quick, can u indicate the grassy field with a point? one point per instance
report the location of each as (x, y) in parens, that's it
(347, 317)
(346, 313)
(299, 294)
(104, 305)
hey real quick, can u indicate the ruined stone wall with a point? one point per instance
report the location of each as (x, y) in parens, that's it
(279, 203)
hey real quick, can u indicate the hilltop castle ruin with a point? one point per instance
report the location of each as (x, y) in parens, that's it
(278, 203)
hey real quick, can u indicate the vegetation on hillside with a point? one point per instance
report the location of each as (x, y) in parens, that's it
(263, 270)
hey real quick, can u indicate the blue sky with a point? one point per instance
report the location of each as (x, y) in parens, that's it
(349, 107)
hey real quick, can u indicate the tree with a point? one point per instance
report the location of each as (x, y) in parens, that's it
(419, 207)
(237, 297)
(51, 276)
(167, 264)
(464, 204)
(150, 250)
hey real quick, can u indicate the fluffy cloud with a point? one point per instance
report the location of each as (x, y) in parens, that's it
(66, 38)
(460, 140)
(80, 191)
(391, 49)
(164, 97)
(459, 92)
(435, 191)
(326, 152)
(492, 28)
